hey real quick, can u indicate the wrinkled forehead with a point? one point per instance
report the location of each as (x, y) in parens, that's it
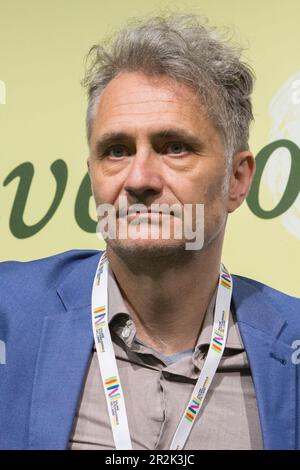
(133, 100)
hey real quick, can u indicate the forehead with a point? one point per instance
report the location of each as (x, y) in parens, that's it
(135, 102)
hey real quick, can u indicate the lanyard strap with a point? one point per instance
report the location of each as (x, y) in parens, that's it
(107, 360)
(108, 364)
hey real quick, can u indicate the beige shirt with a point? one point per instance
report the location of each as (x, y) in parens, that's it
(157, 390)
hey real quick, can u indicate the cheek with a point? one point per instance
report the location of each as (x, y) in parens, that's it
(213, 184)
(206, 189)
(105, 189)
(215, 213)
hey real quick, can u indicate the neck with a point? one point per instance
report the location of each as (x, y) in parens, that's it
(168, 299)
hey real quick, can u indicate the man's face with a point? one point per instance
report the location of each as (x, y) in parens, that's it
(153, 143)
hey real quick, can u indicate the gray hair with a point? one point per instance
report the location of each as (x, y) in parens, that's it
(185, 48)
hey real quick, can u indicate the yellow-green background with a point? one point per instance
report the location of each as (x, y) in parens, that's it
(42, 49)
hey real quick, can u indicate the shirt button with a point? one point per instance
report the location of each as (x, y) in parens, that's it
(126, 332)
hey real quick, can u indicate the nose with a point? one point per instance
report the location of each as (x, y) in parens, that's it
(144, 181)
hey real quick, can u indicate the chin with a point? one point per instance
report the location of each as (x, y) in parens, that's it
(147, 249)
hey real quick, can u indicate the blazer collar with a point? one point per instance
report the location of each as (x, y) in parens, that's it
(76, 288)
(253, 309)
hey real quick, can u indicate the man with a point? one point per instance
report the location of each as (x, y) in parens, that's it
(110, 350)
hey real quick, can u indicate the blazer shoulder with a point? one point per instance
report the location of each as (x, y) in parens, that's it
(288, 305)
(64, 260)
(19, 278)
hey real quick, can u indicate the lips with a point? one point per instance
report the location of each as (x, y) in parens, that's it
(147, 214)
(149, 211)
(124, 211)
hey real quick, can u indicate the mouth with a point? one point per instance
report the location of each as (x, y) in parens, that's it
(149, 212)
(148, 215)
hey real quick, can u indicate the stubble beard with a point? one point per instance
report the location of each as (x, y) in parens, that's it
(150, 257)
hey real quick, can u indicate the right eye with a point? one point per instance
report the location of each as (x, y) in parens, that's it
(117, 151)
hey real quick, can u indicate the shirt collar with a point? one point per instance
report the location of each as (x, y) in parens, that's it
(117, 307)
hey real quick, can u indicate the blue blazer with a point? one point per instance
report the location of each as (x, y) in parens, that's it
(46, 326)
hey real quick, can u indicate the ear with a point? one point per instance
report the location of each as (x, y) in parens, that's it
(242, 172)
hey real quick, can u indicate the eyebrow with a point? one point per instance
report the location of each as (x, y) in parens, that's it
(110, 138)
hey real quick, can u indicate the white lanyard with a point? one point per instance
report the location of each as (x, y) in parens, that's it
(108, 364)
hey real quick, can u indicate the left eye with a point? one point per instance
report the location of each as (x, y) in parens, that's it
(176, 148)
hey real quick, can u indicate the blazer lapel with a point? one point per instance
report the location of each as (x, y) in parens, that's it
(273, 372)
(63, 358)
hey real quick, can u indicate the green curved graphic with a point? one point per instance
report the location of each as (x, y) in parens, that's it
(82, 206)
(25, 172)
(293, 185)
